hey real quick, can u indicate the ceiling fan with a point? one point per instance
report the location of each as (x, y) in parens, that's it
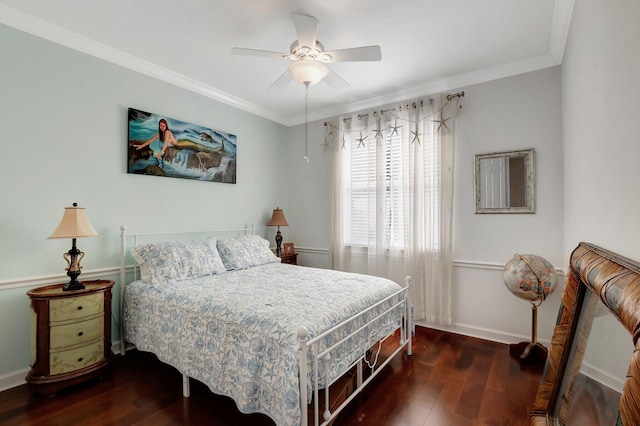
(309, 57)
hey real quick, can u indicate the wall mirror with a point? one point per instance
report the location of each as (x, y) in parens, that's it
(505, 182)
(578, 387)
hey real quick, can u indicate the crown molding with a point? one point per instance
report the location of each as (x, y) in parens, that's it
(437, 86)
(563, 10)
(61, 36)
(562, 13)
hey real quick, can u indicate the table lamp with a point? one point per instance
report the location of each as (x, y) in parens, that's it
(278, 219)
(74, 224)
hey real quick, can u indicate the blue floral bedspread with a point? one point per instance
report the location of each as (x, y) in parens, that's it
(237, 331)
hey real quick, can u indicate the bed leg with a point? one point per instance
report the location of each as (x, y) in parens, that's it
(303, 371)
(186, 388)
(327, 413)
(123, 270)
(409, 316)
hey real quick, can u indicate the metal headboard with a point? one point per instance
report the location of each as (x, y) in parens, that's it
(139, 238)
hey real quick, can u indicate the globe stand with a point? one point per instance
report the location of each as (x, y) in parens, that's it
(530, 352)
(536, 282)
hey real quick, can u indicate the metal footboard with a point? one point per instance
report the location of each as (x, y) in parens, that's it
(401, 307)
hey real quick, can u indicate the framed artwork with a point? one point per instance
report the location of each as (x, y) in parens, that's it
(288, 248)
(163, 146)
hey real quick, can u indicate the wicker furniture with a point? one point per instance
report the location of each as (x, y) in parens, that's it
(595, 274)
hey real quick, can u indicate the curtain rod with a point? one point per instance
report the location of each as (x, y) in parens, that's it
(413, 105)
(455, 95)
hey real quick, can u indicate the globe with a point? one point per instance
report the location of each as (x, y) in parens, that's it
(530, 277)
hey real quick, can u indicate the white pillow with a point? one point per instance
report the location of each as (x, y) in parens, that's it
(177, 260)
(245, 251)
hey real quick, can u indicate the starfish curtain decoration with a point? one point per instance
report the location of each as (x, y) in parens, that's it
(416, 136)
(394, 128)
(361, 140)
(382, 130)
(327, 138)
(325, 145)
(459, 107)
(442, 122)
(377, 131)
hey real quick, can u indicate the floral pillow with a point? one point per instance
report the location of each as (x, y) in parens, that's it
(245, 251)
(177, 260)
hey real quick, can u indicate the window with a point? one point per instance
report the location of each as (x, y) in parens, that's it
(378, 188)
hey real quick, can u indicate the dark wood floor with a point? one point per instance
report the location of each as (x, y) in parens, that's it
(450, 380)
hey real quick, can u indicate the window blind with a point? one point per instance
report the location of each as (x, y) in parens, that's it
(373, 213)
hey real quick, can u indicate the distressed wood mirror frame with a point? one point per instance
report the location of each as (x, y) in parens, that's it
(615, 280)
(505, 182)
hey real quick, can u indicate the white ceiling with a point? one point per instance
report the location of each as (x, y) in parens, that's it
(427, 45)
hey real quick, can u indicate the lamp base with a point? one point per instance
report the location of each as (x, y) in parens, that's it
(71, 286)
(278, 242)
(74, 284)
(73, 258)
(528, 352)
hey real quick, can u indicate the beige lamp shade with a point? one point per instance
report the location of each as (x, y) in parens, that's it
(74, 224)
(277, 218)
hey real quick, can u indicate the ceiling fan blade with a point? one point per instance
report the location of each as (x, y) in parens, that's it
(281, 82)
(336, 82)
(256, 52)
(354, 54)
(306, 29)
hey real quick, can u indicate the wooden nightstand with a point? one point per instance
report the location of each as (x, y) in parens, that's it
(291, 259)
(70, 335)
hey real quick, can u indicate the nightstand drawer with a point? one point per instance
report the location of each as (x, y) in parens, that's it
(77, 333)
(76, 307)
(291, 259)
(75, 359)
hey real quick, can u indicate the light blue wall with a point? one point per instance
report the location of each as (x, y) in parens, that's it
(63, 126)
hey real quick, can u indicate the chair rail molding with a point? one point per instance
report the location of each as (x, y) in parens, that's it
(41, 280)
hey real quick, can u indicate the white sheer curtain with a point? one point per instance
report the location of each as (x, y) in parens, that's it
(392, 198)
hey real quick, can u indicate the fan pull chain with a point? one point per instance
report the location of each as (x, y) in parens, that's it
(306, 122)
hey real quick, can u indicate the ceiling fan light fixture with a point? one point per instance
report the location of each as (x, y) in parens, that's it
(308, 71)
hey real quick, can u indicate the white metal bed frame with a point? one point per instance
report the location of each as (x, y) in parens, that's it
(306, 345)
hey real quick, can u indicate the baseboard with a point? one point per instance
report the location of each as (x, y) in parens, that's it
(482, 333)
(602, 377)
(115, 347)
(118, 350)
(17, 378)
(12, 380)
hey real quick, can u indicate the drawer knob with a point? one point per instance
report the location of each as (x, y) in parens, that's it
(79, 308)
(81, 333)
(80, 359)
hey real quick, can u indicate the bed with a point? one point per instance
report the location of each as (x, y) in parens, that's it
(222, 309)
